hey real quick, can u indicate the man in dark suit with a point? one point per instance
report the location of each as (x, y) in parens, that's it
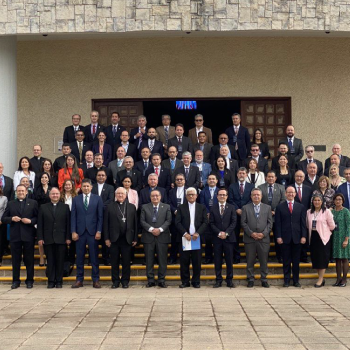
(154, 145)
(215, 150)
(311, 178)
(334, 160)
(54, 234)
(172, 163)
(193, 133)
(69, 131)
(88, 162)
(155, 220)
(344, 188)
(164, 178)
(144, 195)
(204, 168)
(290, 224)
(232, 164)
(138, 134)
(120, 234)
(204, 146)
(129, 147)
(310, 151)
(239, 137)
(79, 147)
(303, 196)
(295, 145)
(22, 215)
(222, 220)
(191, 172)
(257, 223)
(133, 173)
(59, 162)
(273, 194)
(239, 195)
(6, 183)
(344, 160)
(262, 162)
(113, 131)
(177, 196)
(144, 164)
(282, 150)
(191, 222)
(182, 143)
(86, 228)
(165, 132)
(98, 164)
(91, 131)
(37, 160)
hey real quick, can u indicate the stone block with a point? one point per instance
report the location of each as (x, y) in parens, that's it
(76, 2)
(79, 9)
(91, 26)
(174, 7)
(90, 13)
(65, 12)
(232, 11)
(281, 6)
(194, 7)
(142, 14)
(186, 21)
(104, 3)
(49, 3)
(130, 13)
(90, 2)
(184, 2)
(23, 29)
(228, 24)
(205, 9)
(102, 25)
(148, 25)
(142, 4)
(79, 22)
(130, 3)
(62, 26)
(261, 11)
(244, 3)
(310, 24)
(3, 14)
(34, 24)
(311, 13)
(160, 22)
(13, 5)
(173, 24)
(321, 24)
(214, 24)
(276, 25)
(219, 5)
(298, 25)
(31, 10)
(118, 8)
(119, 24)
(10, 28)
(2, 28)
(264, 23)
(244, 15)
(11, 16)
(160, 10)
(104, 12)
(47, 17)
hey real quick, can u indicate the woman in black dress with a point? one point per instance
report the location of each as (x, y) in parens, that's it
(264, 147)
(225, 176)
(285, 176)
(47, 167)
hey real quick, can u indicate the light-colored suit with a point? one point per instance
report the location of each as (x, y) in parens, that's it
(206, 170)
(113, 165)
(161, 133)
(261, 224)
(279, 195)
(192, 134)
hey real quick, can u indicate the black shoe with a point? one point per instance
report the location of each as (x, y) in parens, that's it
(280, 260)
(150, 284)
(15, 285)
(297, 285)
(172, 262)
(162, 285)
(320, 285)
(265, 284)
(342, 284)
(115, 285)
(58, 285)
(29, 285)
(230, 284)
(332, 261)
(236, 261)
(196, 285)
(217, 285)
(208, 261)
(304, 260)
(336, 284)
(286, 284)
(184, 285)
(7, 252)
(107, 263)
(51, 285)
(125, 286)
(250, 284)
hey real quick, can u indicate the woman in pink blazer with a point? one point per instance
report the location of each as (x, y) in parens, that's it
(133, 197)
(320, 223)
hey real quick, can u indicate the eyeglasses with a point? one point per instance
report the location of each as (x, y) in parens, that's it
(198, 120)
(309, 151)
(222, 195)
(255, 150)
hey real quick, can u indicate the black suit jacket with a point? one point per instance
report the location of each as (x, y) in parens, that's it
(37, 164)
(172, 200)
(194, 176)
(19, 231)
(54, 228)
(183, 220)
(302, 165)
(135, 176)
(88, 136)
(263, 164)
(225, 223)
(107, 193)
(313, 186)
(58, 163)
(229, 177)
(164, 178)
(75, 150)
(243, 140)
(144, 196)
(186, 145)
(215, 152)
(92, 172)
(298, 149)
(275, 166)
(135, 131)
(306, 194)
(69, 133)
(290, 227)
(132, 150)
(206, 151)
(111, 227)
(157, 147)
(113, 140)
(8, 189)
(344, 161)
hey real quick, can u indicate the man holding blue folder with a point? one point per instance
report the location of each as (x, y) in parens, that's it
(191, 222)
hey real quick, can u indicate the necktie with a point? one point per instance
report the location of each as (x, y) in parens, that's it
(1, 183)
(145, 165)
(180, 140)
(114, 130)
(151, 144)
(119, 163)
(201, 147)
(270, 194)
(94, 130)
(75, 129)
(86, 203)
(236, 132)
(80, 152)
(140, 139)
(211, 192)
(222, 209)
(155, 212)
(290, 206)
(309, 161)
(299, 193)
(172, 164)
(241, 189)
(256, 209)
(157, 171)
(186, 173)
(290, 145)
(166, 134)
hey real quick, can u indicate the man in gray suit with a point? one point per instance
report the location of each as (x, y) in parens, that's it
(256, 221)
(117, 164)
(172, 163)
(155, 221)
(273, 194)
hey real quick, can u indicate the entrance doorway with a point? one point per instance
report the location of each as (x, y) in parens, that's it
(271, 115)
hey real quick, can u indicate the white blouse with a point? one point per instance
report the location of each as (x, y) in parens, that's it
(18, 176)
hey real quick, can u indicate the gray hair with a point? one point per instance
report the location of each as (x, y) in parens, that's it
(309, 164)
(141, 117)
(242, 168)
(187, 154)
(152, 174)
(256, 189)
(166, 115)
(199, 115)
(191, 189)
(310, 146)
(120, 188)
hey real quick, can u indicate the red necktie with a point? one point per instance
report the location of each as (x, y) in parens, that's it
(241, 189)
(94, 129)
(299, 194)
(290, 206)
(157, 171)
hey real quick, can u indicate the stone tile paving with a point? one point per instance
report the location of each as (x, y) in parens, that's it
(174, 319)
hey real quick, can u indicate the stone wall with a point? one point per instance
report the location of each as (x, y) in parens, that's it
(106, 16)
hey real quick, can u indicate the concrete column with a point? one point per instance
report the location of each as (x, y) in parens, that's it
(8, 104)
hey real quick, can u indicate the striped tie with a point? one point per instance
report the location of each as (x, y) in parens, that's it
(86, 203)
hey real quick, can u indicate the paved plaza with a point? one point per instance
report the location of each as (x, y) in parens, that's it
(174, 319)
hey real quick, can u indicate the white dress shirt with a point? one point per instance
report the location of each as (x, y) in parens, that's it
(100, 187)
(192, 208)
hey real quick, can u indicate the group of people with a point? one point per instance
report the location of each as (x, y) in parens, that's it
(110, 185)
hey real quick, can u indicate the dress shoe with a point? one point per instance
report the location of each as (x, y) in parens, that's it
(230, 284)
(77, 284)
(196, 285)
(29, 285)
(208, 261)
(250, 284)
(96, 284)
(15, 285)
(305, 260)
(172, 262)
(217, 285)
(286, 284)
(236, 261)
(184, 285)
(265, 284)
(297, 285)
(58, 285)
(320, 285)
(115, 285)
(162, 285)
(125, 286)
(51, 285)
(150, 284)
(342, 284)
